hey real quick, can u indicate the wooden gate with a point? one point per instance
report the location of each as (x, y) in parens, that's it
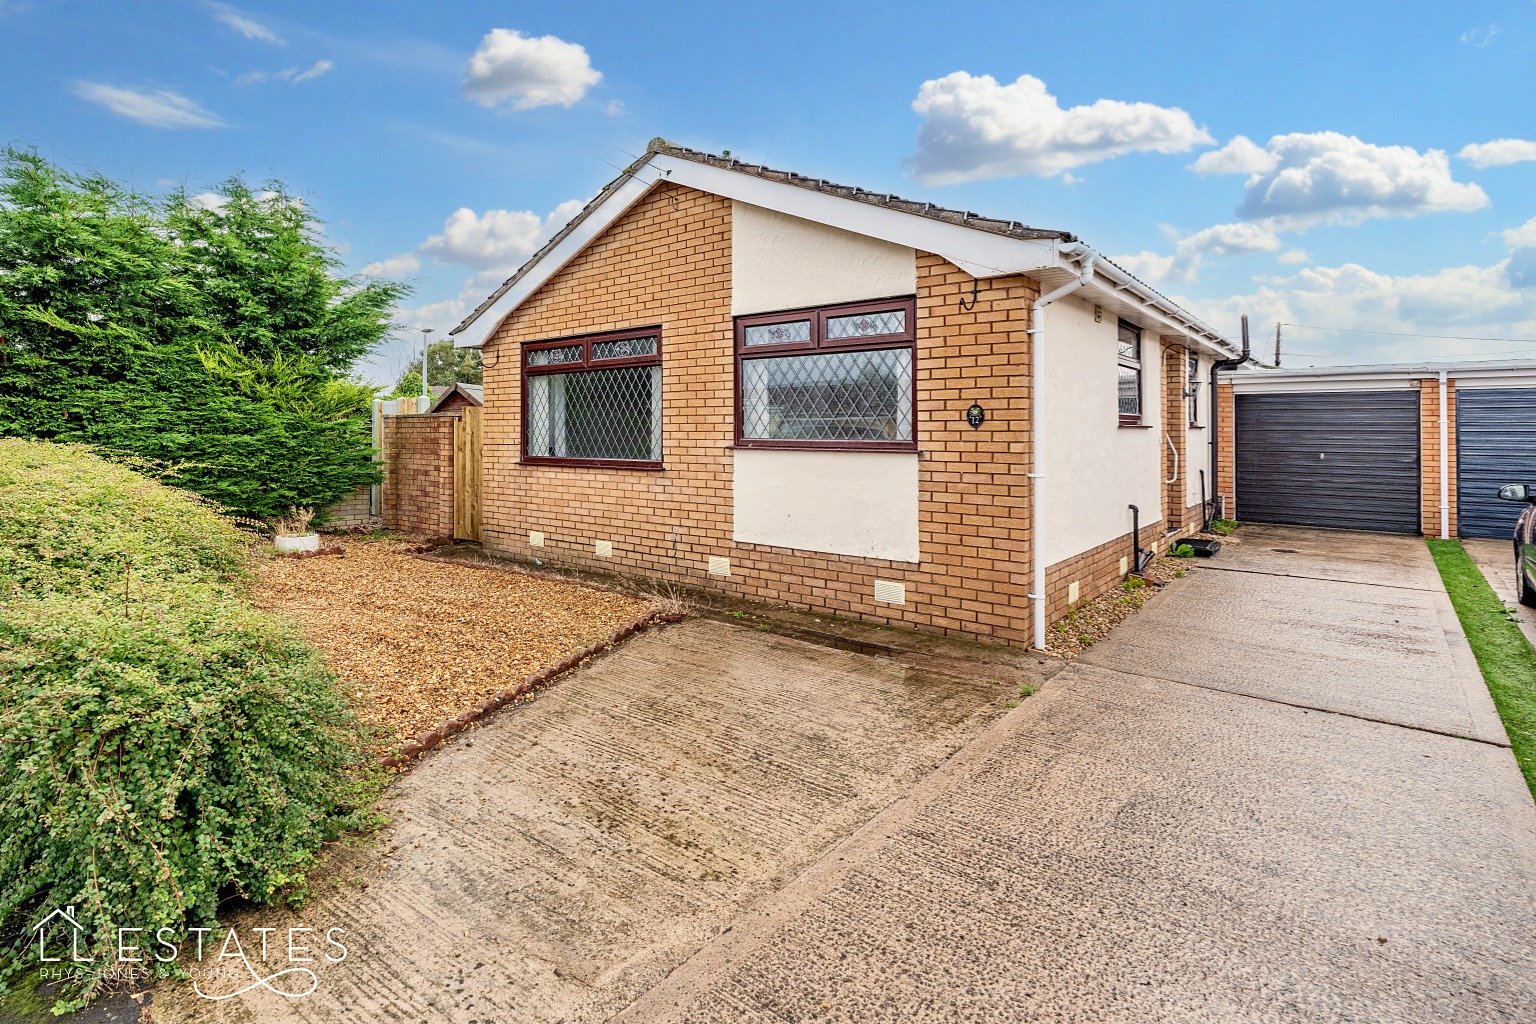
(466, 474)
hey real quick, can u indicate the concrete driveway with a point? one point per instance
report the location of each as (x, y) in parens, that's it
(1277, 794)
(1251, 803)
(559, 861)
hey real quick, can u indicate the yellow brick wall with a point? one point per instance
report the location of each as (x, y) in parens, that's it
(1226, 446)
(667, 262)
(1429, 454)
(417, 493)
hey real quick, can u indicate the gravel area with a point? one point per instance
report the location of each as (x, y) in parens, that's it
(1091, 621)
(421, 641)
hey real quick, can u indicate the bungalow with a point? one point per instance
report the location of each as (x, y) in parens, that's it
(807, 393)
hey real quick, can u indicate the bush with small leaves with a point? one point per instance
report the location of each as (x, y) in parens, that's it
(163, 745)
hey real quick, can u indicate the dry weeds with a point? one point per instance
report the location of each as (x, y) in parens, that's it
(421, 641)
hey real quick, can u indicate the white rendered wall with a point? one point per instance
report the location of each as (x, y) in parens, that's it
(1093, 466)
(783, 262)
(846, 503)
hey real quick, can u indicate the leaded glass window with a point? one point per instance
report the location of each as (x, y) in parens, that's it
(836, 377)
(1128, 394)
(575, 409)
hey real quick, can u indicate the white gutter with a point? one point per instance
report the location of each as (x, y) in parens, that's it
(1087, 256)
(1445, 465)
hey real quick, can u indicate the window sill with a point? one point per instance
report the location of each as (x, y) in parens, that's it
(825, 446)
(1138, 425)
(643, 467)
(1197, 426)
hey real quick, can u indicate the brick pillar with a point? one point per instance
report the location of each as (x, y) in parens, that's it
(1429, 454)
(1175, 424)
(1226, 451)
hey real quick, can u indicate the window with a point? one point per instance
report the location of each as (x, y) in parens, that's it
(836, 377)
(1192, 390)
(594, 401)
(1130, 374)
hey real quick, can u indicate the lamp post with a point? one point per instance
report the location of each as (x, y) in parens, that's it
(426, 394)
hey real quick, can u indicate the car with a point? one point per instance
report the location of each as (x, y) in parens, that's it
(1525, 541)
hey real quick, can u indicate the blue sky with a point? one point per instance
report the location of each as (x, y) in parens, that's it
(1307, 162)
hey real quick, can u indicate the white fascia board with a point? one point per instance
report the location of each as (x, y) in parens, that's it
(625, 196)
(1244, 385)
(1471, 373)
(978, 253)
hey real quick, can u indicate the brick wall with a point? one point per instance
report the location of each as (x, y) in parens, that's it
(1226, 445)
(351, 512)
(667, 261)
(1429, 454)
(1175, 427)
(417, 496)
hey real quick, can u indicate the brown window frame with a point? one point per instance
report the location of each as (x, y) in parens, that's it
(1192, 387)
(1127, 363)
(586, 341)
(818, 316)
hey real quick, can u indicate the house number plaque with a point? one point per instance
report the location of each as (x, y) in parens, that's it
(975, 416)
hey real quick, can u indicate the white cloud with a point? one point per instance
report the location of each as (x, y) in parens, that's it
(394, 266)
(1293, 257)
(497, 240)
(1482, 35)
(973, 129)
(1189, 252)
(1464, 301)
(315, 70)
(528, 71)
(1498, 153)
(247, 27)
(292, 75)
(1239, 156)
(162, 109)
(1522, 237)
(614, 108)
(1301, 180)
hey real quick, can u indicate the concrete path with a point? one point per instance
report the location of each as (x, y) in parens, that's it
(1177, 829)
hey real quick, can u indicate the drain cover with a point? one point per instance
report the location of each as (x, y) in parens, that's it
(1286, 551)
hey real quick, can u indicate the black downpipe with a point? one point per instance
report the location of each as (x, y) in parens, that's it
(1205, 508)
(1139, 555)
(1217, 367)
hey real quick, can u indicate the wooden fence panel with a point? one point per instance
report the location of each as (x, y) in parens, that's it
(466, 474)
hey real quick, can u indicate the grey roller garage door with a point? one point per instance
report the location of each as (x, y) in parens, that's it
(1347, 460)
(1495, 445)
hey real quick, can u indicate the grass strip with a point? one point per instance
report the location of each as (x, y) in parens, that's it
(1503, 653)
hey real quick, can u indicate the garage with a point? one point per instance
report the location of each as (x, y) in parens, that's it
(1341, 459)
(1495, 445)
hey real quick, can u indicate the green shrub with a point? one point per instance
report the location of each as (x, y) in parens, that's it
(212, 337)
(75, 523)
(1182, 551)
(1223, 526)
(158, 754)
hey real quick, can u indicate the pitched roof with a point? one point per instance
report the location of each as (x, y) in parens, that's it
(442, 392)
(630, 185)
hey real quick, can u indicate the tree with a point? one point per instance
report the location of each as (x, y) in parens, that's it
(210, 337)
(445, 365)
